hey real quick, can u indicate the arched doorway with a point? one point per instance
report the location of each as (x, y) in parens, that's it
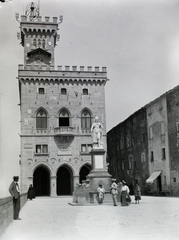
(64, 181)
(41, 181)
(84, 172)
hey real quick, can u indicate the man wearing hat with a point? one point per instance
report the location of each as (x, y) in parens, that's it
(114, 191)
(15, 192)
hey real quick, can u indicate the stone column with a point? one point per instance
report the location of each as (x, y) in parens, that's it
(30, 181)
(75, 180)
(53, 187)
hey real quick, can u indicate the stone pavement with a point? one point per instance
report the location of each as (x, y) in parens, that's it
(53, 218)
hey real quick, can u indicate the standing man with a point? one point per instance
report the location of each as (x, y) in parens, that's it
(114, 191)
(15, 192)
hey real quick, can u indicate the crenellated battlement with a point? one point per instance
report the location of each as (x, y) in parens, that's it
(39, 19)
(63, 68)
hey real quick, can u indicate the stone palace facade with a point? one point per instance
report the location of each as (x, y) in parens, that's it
(57, 107)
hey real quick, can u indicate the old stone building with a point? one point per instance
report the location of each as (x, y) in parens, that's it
(159, 159)
(151, 145)
(57, 109)
(173, 138)
(128, 150)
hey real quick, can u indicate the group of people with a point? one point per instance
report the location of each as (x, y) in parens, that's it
(15, 192)
(120, 193)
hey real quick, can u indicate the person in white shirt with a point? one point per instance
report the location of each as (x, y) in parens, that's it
(114, 191)
(100, 195)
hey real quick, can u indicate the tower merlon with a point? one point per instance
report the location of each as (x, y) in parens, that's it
(79, 69)
(39, 19)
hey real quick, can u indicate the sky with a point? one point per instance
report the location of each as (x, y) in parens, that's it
(137, 40)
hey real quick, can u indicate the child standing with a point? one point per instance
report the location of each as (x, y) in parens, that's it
(100, 194)
(137, 193)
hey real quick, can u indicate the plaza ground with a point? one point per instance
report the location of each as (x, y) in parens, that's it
(53, 218)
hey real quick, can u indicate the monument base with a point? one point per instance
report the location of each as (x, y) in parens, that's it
(87, 195)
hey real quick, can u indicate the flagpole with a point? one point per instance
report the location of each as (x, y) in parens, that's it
(39, 6)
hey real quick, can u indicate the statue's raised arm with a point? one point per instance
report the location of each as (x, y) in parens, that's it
(96, 131)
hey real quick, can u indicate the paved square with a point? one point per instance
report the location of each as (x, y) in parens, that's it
(53, 218)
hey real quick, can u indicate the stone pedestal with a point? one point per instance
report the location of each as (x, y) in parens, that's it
(99, 174)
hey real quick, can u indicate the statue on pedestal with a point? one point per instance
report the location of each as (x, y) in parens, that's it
(96, 131)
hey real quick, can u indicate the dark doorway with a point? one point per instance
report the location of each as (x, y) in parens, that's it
(64, 181)
(84, 172)
(41, 182)
(159, 184)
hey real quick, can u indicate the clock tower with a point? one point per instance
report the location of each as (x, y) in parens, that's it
(57, 107)
(38, 37)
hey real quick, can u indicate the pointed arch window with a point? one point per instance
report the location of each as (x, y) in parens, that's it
(39, 43)
(86, 120)
(43, 43)
(35, 43)
(64, 119)
(41, 120)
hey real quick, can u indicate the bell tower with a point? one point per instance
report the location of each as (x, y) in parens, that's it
(38, 37)
(58, 105)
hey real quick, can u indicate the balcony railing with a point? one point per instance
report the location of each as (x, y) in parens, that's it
(64, 131)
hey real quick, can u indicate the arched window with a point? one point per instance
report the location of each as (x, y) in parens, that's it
(121, 142)
(85, 120)
(130, 158)
(41, 120)
(128, 141)
(43, 43)
(39, 43)
(143, 157)
(64, 118)
(35, 43)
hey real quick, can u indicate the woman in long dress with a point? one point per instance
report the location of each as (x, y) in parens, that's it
(31, 192)
(124, 194)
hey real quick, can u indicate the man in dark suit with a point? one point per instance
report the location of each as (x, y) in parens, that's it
(15, 192)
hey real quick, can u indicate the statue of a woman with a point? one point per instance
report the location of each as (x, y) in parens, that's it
(96, 131)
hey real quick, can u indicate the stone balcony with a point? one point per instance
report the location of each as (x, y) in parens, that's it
(64, 131)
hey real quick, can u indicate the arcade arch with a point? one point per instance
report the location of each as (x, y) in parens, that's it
(84, 171)
(41, 181)
(64, 180)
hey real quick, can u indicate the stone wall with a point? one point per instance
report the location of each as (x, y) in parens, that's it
(173, 129)
(127, 149)
(6, 211)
